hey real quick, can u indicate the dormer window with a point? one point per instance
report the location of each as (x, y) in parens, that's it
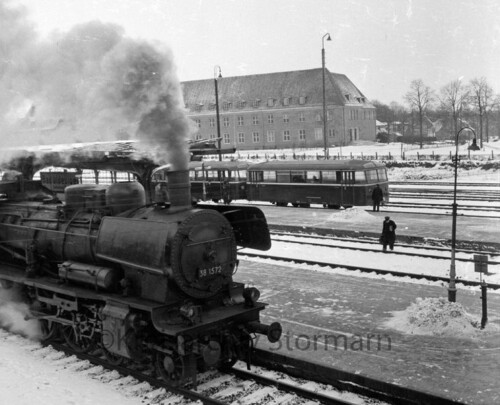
(241, 104)
(226, 105)
(256, 103)
(270, 102)
(212, 106)
(286, 101)
(198, 107)
(347, 97)
(302, 100)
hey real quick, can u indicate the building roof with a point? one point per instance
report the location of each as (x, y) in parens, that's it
(277, 86)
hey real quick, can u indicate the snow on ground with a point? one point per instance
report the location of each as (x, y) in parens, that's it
(30, 374)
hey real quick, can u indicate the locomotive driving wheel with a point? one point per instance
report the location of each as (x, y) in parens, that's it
(49, 330)
(79, 336)
(170, 367)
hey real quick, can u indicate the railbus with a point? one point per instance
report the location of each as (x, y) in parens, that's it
(332, 183)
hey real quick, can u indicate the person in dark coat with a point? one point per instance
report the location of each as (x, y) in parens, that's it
(377, 197)
(388, 233)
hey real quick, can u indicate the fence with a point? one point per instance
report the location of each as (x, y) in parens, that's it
(364, 156)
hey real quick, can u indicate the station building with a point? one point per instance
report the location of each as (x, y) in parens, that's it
(280, 110)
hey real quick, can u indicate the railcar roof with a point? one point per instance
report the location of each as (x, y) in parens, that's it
(220, 165)
(353, 164)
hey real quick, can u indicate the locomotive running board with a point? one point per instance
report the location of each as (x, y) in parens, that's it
(249, 224)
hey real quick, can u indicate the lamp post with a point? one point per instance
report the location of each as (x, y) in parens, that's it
(452, 290)
(327, 36)
(217, 75)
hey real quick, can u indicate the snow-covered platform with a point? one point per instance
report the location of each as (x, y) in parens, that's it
(400, 332)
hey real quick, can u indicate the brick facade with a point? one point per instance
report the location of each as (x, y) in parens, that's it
(280, 110)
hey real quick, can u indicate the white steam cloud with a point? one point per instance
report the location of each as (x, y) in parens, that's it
(91, 83)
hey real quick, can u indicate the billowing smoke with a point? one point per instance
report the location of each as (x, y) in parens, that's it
(89, 84)
(14, 315)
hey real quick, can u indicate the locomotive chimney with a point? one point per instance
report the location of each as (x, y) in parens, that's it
(179, 190)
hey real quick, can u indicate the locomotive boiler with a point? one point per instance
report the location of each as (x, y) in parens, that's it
(143, 283)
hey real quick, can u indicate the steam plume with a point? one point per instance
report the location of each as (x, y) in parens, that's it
(91, 83)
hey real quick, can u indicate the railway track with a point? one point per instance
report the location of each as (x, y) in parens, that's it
(337, 246)
(374, 246)
(284, 380)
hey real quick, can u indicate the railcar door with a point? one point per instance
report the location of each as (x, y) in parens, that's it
(347, 188)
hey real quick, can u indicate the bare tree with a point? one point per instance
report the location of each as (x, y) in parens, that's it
(419, 97)
(453, 99)
(481, 95)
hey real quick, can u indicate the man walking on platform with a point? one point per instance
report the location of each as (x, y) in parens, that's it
(377, 197)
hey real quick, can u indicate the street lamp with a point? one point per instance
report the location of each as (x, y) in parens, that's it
(217, 75)
(327, 36)
(452, 290)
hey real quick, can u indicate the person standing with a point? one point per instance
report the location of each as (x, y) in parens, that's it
(388, 233)
(377, 197)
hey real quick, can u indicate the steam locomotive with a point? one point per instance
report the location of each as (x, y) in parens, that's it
(147, 283)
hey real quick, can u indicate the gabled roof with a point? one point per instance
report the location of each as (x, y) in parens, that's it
(295, 84)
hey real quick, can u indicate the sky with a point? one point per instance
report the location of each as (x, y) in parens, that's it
(380, 45)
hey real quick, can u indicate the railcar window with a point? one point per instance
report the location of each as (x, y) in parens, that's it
(298, 176)
(283, 176)
(256, 176)
(371, 176)
(313, 177)
(269, 176)
(241, 175)
(329, 177)
(212, 175)
(360, 177)
(382, 174)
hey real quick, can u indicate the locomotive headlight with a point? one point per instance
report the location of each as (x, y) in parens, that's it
(191, 312)
(187, 310)
(251, 296)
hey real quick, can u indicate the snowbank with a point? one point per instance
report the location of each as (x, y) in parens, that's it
(435, 316)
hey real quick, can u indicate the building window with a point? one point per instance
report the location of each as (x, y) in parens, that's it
(302, 100)
(240, 120)
(286, 136)
(226, 139)
(286, 101)
(318, 117)
(225, 121)
(318, 133)
(198, 123)
(226, 105)
(331, 132)
(302, 117)
(329, 115)
(211, 106)
(347, 97)
(211, 122)
(255, 137)
(285, 118)
(270, 136)
(241, 137)
(198, 137)
(270, 102)
(213, 136)
(241, 104)
(302, 134)
(256, 103)
(198, 107)
(270, 119)
(255, 120)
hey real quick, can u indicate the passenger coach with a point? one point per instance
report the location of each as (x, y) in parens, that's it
(332, 183)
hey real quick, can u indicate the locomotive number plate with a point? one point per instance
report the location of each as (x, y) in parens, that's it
(209, 272)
